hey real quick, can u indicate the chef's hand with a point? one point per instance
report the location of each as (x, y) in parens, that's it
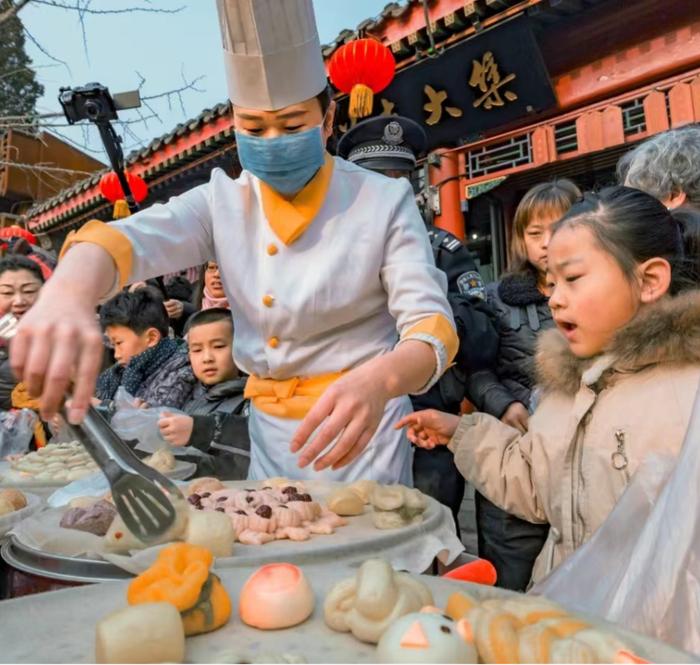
(429, 428)
(517, 416)
(174, 308)
(352, 407)
(58, 342)
(176, 429)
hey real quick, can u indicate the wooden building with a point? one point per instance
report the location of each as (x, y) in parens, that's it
(35, 167)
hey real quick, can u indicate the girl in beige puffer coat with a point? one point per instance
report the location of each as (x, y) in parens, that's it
(618, 376)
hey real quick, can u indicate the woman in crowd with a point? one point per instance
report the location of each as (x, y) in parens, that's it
(505, 390)
(21, 280)
(209, 292)
(619, 375)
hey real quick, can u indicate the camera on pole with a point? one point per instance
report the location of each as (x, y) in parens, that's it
(94, 103)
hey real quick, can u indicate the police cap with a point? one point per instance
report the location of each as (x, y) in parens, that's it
(384, 144)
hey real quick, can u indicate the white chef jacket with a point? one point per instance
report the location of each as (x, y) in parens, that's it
(360, 278)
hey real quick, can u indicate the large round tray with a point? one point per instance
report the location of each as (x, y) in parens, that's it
(57, 567)
(411, 548)
(10, 478)
(67, 621)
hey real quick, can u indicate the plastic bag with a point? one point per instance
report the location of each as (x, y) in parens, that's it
(95, 485)
(136, 424)
(16, 431)
(641, 569)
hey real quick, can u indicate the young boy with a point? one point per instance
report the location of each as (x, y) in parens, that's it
(150, 366)
(217, 413)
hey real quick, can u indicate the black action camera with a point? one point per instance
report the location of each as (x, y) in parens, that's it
(94, 102)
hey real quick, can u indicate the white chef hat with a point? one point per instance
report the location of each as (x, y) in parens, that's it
(271, 51)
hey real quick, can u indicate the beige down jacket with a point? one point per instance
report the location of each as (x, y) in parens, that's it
(597, 421)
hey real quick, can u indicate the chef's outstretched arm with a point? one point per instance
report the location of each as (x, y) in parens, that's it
(58, 341)
(352, 408)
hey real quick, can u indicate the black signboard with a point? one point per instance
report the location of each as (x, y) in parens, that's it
(484, 82)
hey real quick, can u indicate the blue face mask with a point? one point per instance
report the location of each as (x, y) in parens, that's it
(286, 162)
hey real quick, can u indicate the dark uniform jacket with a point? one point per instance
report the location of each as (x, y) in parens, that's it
(523, 313)
(478, 339)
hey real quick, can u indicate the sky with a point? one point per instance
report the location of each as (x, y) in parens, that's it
(164, 49)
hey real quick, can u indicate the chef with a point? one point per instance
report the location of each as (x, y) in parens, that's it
(338, 307)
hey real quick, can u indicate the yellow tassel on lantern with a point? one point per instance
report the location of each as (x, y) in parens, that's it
(361, 101)
(121, 209)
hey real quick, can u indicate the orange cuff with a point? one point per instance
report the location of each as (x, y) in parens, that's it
(439, 328)
(111, 239)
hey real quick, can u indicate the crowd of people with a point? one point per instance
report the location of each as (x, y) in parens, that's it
(580, 362)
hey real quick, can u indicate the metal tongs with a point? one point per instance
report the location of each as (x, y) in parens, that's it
(143, 497)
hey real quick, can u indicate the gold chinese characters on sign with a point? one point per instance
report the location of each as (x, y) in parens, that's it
(435, 105)
(486, 78)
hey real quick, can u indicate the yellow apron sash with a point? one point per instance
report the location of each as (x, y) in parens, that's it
(292, 398)
(21, 400)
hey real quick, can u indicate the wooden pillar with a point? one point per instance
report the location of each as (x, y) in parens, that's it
(443, 173)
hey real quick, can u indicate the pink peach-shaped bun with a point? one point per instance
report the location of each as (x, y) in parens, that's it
(276, 596)
(623, 656)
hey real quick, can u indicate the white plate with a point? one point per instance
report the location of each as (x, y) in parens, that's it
(8, 521)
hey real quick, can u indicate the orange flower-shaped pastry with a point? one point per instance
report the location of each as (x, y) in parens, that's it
(181, 576)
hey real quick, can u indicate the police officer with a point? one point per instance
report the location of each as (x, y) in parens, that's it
(392, 145)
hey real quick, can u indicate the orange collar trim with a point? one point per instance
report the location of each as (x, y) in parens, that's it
(290, 218)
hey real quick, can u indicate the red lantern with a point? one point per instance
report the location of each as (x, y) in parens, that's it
(111, 188)
(18, 232)
(362, 68)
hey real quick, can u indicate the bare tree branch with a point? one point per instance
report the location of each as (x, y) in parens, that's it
(12, 10)
(81, 19)
(81, 146)
(188, 85)
(44, 51)
(35, 123)
(75, 6)
(43, 167)
(20, 70)
(18, 122)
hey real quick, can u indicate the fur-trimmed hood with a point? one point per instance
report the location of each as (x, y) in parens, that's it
(665, 332)
(519, 289)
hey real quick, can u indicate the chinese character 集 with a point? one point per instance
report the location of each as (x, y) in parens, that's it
(435, 106)
(486, 77)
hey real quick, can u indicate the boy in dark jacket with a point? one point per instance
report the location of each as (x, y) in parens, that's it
(217, 413)
(149, 365)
